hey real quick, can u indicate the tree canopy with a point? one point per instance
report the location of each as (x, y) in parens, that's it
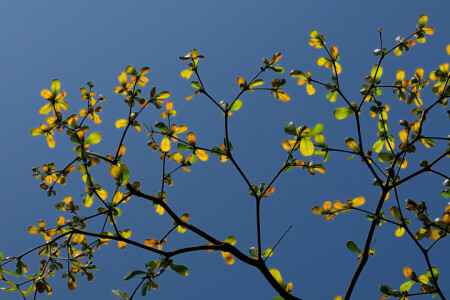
(146, 186)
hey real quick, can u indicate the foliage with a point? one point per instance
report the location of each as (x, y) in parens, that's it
(73, 241)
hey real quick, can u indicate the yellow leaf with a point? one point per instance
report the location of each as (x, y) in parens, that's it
(102, 194)
(115, 172)
(60, 222)
(121, 244)
(334, 51)
(229, 259)
(306, 147)
(448, 49)
(358, 201)
(310, 89)
(178, 157)
(186, 73)
(338, 69)
(191, 138)
(45, 109)
(72, 285)
(121, 123)
(428, 30)
(201, 154)
(46, 94)
(181, 229)
(50, 141)
(289, 144)
(338, 298)
(276, 274)
(165, 144)
(33, 229)
(400, 75)
(399, 231)
(210, 250)
(321, 61)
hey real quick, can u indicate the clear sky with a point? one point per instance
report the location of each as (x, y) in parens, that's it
(81, 41)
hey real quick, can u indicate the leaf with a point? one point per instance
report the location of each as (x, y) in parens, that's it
(290, 129)
(317, 129)
(376, 72)
(133, 273)
(399, 231)
(236, 105)
(182, 270)
(385, 157)
(408, 273)
(93, 138)
(306, 147)
(276, 274)
(230, 240)
(121, 294)
(229, 259)
(56, 85)
(186, 73)
(423, 20)
(267, 253)
(435, 273)
(353, 248)
(342, 112)
(406, 286)
(395, 212)
(121, 123)
(165, 144)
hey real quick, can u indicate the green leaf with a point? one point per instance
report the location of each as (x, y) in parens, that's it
(196, 85)
(126, 233)
(317, 129)
(161, 126)
(406, 286)
(230, 240)
(75, 139)
(236, 105)
(121, 294)
(278, 70)
(93, 138)
(268, 252)
(435, 273)
(276, 274)
(1, 258)
(253, 252)
(289, 128)
(134, 273)
(378, 146)
(385, 157)
(56, 85)
(183, 147)
(125, 173)
(342, 112)
(445, 193)
(182, 270)
(353, 248)
(297, 74)
(385, 289)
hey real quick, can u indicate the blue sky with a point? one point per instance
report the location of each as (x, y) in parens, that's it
(85, 41)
